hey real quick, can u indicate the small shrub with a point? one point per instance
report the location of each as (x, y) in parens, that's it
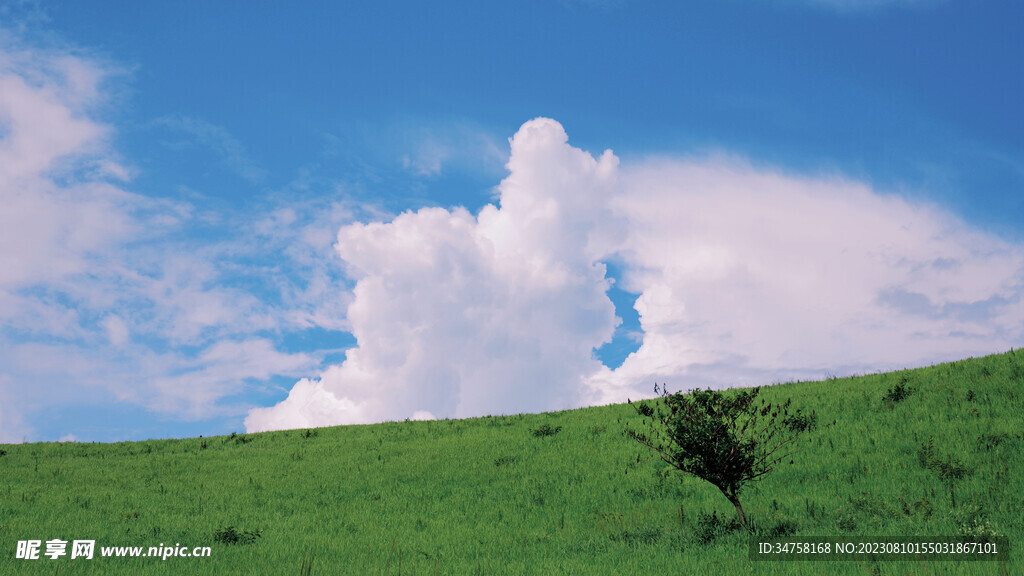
(545, 430)
(3, 452)
(970, 395)
(899, 392)
(801, 422)
(505, 461)
(310, 433)
(232, 535)
(726, 439)
(239, 438)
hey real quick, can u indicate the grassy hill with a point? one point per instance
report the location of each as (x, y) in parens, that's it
(555, 493)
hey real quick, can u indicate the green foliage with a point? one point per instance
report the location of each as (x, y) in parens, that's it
(545, 429)
(899, 392)
(232, 535)
(239, 438)
(728, 440)
(801, 422)
(505, 461)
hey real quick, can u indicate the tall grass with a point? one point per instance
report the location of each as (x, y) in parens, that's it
(554, 493)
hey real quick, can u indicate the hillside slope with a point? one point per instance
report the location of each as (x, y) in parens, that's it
(496, 495)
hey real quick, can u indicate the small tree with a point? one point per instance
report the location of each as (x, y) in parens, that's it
(725, 439)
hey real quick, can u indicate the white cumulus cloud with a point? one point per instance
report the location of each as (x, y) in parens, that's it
(457, 315)
(745, 276)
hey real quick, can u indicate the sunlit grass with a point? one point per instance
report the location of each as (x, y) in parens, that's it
(557, 493)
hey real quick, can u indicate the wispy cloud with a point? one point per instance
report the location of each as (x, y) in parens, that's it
(105, 296)
(218, 140)
(430, 147)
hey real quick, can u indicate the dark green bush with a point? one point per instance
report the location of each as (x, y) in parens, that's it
(505, 461)
(545, 430)
(801, 422)
(899, 392)
(232, 535)
(239, 438)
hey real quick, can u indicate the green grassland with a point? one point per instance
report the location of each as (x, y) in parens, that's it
(554, 493)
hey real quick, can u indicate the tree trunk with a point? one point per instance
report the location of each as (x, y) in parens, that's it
(739, 508)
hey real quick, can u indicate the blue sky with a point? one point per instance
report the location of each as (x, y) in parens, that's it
(228, 216)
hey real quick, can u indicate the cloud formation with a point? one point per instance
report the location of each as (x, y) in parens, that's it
(100, 299)
(47, 229)
(217, 140)
(748, 276)
(745, 276)
(435, 146)
(458, 315)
